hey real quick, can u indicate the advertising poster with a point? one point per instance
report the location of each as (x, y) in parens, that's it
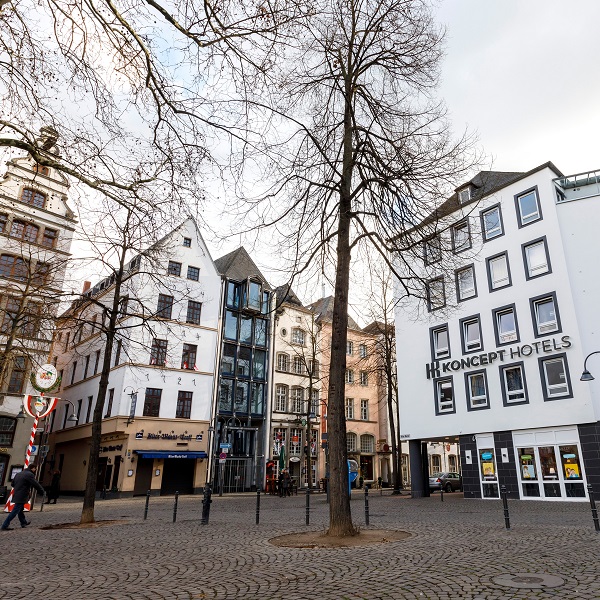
(488, 470)
(528, 471)
(572, 472)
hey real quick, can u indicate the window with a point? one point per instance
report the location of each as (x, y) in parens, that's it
(314, 403)
(313, 367)
(364, 410)
(491, 223)
(27, 232)
(432, 250)
(96, 361)
(259, 364)
(283, 362)
(73, 372)
(349, 348)
(7, 431)
(174, 268)
(231, 325)
(281, 397)
(40, 273)
(299, 365)
(254, 295)
(152, 402)
(297, 397)
(117, 354)
(296, 439)
(464, 195)
(555, 377)
(233, 294)
(465, 283)
(158, 352)
(349, 376)
(228, 359)
(436, 463)
(89, 408)
(184, 405)
(33, 197)
(193, 312)
(187, 242)
(476, 390)
(444, 396)
(461, 236)
(13, 267)
(349, 408)
(367, 444)
(498, 271)
(436, 294)
(111, 397)
(260, 332)
(12, 313)
(528, 207)
(536, 259)
(297, 336)
(245, 329)
(440, 343)
(165, 306)
(243, 362)
(514, 389)
(3, 222)
(505, 325)
(544, 312)
(188, 357)
(364, 378)
(362, 351)
(193, 273)
(470, 330)
(351, 442)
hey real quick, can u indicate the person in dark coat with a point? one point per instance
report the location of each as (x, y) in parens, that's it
(287, 483)
(280, 482)
(22, 484)
(54, 489)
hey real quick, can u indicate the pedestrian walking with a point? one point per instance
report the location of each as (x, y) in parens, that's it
(287, 484)
(280, 483)
(54, 489)
(22, 484)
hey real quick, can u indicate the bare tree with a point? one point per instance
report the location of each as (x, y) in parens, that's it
(357, 155)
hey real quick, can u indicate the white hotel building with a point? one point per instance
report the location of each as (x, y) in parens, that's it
(496, 360)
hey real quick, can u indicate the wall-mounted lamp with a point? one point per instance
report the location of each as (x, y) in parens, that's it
(586, 375)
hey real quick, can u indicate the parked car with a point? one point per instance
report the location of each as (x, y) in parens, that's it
(448, 481)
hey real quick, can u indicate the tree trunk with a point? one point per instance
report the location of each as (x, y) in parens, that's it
(396, 446)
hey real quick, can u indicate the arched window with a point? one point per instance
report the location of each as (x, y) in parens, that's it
(33, 197)
(351, 442)
(13, 267)
(283, 362)
(367, 443)
(7, 431)
(28, 232)
(281, 397)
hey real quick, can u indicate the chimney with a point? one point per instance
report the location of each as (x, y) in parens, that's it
(86, 286)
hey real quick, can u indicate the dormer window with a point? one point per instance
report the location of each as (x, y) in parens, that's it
(464, 195)
(33, 197)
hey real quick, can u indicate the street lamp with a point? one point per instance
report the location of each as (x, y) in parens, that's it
(586, 375)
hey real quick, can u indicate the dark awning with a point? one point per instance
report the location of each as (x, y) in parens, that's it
(169, 454)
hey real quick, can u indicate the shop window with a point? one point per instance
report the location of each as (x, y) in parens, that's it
(174, 268)
(505, 325)
(432, 250)
(33, 198)
(193, 273)
(491, 223)
(440, 342)
(544, 312)
(351, 442)
(572, 471)
(283, 362)
(528, 207)
(349, 376)
(550, 472)
(184, 405)
(489, 477)
(194, 309)
(444, 396)
(536, 258)
(461, 236)
(528, 473)
(281, 397)
(470, 330)
(188, 357)
(367, 444)
(297, 399)
(555, 377)
(7, 431)
(158, 352)
(349, 408)
(436, 294)
(465, 283)
(477, 394)
(165, 306)
(498, 271)
(514, 388)
(152, 402)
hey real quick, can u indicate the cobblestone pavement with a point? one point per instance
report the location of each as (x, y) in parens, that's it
(457, 549)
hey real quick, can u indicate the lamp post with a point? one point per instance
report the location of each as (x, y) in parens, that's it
(586, 375)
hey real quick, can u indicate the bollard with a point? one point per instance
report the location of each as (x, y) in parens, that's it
(504, 495)
(147, 503)
(307, 506)
(593, 505)
(206, 502)
(367, 505)
(441, 493)
(175, 507)
(258, 504)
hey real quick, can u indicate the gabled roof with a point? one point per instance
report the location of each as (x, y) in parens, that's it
(238, 265)
(285, 293)
(323, 309)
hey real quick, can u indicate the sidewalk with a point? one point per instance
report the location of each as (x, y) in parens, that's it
(458, 549)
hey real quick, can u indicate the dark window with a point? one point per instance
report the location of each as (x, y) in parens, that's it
(7, 431)
(86, 367)
(40, 273)
(187, 242)
(97, 361)
(184, 405)
(174, 268)
(78, 415)
(188, 358)
(33, 197)
(231, 325)
(461, 236)
(13, 267)
(514, 386)
(158, 353)
(73, 372)
(118, 353)
(49, 237)
(165, 306)
(436, 294)
(30, 326)
(470, 331)
(17, 376)
(24, 231)
(506, 326)
(111, 397)
(444, 396)
(528, 207)
(89, 408)
(193, 312)
(3, 221)
(440, 343)
(152, 402)
(233, 295)
(193, 273)
(11, 315)
(228, 359)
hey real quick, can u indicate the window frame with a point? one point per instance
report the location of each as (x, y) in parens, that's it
(191, 310)
(541, 240)
(53, 238)
(547, 397)
(349, 409)
(454, 229)
(150, 401)
(193, 273)
(532, 304)
(467, 376)
(349, 376)
(522, 194)
(164, 306)
(371, 443)
(278, 397)
(428, 244)
(432, 338)
(505, 399)
(157, 351)
(13, 420)
(282, 356)
(363, 378)
(482, 214)
(351, 448)
(349, 347)
(34, 193)
(174, 268)
(183, 408)
(470, 267)
(189, 351)
(495, 313)
(488, 260)
(438, 381)
(298, 333)
(364, 409)
(428, 283)
(187, 242)
(463, 338)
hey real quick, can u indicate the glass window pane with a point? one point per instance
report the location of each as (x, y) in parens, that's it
(499, 272)
(537, 262)
(254, 295)
(466, 283)
(513, 377)
(472, 335)
(488, 464)
(257, 400)
(548, 463)
(441, 342)
(491, 223)
(259, 363)
(228, 360)
(569, 456)
(233, 295)
(260, 332)
(243, 364)
(546, 315)
(527, 463)
(556, 378)
(231, 325)
(461, 236)
(507, 329)
(528, 207)
(241, 397)
(246, 330)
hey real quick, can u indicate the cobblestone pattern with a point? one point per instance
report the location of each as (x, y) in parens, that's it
(457, 549)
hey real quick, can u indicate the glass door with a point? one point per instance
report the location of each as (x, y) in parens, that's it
(489, 476)
(528, 473)
(572, 472)
(549, 470)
